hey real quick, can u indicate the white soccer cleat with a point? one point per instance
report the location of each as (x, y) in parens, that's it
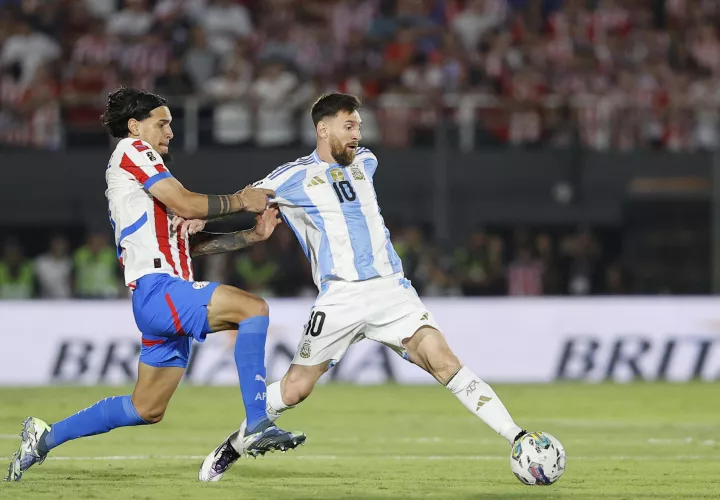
(28, 454)
(219, 461)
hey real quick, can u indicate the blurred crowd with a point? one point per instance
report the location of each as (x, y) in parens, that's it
(497, 263)
(603, 73)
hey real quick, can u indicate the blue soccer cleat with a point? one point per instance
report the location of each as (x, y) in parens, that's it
(269, 438)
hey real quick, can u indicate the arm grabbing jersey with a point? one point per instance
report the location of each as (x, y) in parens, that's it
(333, 211)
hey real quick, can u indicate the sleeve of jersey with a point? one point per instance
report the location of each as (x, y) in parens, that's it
(284, 184)
(370, 161)
(144, 164)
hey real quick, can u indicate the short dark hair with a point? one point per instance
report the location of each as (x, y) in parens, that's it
(125, 103)
(331, 104)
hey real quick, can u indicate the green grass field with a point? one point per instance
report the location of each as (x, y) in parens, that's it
(630, 441)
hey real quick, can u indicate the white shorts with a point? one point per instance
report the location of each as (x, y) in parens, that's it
(386, 310)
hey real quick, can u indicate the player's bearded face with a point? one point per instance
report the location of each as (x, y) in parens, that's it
(343, 152)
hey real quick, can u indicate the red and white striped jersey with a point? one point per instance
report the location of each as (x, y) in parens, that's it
(146, 243)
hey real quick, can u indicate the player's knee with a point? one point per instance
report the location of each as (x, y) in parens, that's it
(444, 367)
(434, 355)
(250, 307)
(150, 414)
(261, 308)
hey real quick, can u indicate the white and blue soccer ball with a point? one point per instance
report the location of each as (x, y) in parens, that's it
(538, 458)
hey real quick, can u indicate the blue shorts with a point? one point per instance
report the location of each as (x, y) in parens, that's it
(170, 312)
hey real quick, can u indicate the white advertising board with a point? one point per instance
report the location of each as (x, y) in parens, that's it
(502, 340)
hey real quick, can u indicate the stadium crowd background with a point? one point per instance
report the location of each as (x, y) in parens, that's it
(603, 74)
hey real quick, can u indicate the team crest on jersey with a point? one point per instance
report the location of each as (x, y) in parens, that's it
(337, 174)
(305, 350)
(357, 173)
(198, 285)
(151, 156)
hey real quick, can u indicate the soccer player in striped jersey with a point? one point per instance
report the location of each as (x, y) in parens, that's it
(328, 199)
(170, 308)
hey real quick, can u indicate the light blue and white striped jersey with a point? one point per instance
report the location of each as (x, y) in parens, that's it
(334, 213)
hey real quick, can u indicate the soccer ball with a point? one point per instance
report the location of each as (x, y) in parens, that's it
(537, 458)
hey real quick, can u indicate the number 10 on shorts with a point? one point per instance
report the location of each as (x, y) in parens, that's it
(315, 325)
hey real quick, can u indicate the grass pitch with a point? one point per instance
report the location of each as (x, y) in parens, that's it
(637, 441)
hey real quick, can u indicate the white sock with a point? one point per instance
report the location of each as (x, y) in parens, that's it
(274, 407)
(274, 404)
(480, 399)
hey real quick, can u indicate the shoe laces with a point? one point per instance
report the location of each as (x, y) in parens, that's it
(227, 456)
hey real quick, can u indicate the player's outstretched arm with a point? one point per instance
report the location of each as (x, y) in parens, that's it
(213, 243)
(190, 205)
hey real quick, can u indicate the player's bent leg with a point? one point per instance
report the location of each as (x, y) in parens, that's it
(232, 308)
(154, 388)
(329, 341)
(296, 385)
(429, 349)
(249, 313)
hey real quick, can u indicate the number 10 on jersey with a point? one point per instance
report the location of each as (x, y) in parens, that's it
(344, 191)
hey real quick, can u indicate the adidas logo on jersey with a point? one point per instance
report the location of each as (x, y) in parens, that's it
(316, 181)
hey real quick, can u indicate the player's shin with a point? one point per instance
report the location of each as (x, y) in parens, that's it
(480, 399)
(250, 361)
(103, 416)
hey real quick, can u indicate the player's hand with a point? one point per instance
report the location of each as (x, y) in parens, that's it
(189, 227)
(266, 222)
(255, 199)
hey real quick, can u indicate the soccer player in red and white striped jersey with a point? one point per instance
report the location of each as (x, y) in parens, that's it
(171, 310)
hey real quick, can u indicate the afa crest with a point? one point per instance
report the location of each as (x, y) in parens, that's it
(357, 173)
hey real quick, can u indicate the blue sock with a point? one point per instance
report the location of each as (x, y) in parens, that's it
(250, 361)
(103, 416)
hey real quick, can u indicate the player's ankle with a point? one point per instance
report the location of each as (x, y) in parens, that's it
(255, 427)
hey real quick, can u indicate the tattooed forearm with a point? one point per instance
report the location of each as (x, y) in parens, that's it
(219, 204)
(214, 243)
